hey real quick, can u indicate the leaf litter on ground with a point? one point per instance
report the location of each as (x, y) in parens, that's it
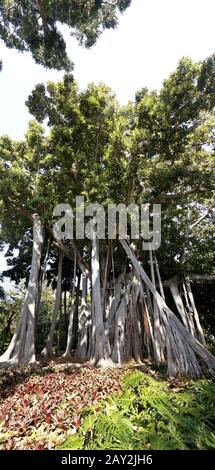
(39, 409)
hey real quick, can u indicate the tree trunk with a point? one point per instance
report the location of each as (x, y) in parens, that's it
(42, 277)
(76, 312)
(182, 347)
(98, 336)
(40, 284)
(189, 312)
(59, 327)
(106, 272)
(148, 331)
(21, 350)
(195, 313)
(173, 285)
(156, 317)
(65, 309)
(114, 301)
(68, 351)
(47, 351)
(159, 278)
(119, 334)
(137, 345)
(84, 323)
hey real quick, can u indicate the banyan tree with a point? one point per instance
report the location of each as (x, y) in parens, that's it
(120, 302)
(120, 315)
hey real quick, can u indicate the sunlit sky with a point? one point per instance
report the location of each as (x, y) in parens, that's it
(151, 38)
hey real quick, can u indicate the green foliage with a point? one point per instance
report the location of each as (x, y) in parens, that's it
(33, 26)
(159, 149)
(173, 160)
(44, 318)
(10, 307)
(204, 294)
(148, 414)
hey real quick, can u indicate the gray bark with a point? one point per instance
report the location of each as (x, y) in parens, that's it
(47, 351)
(159, 278)
(122, 324)
(68, 351)
(107, 266)
(196, 316)
(148, 330)
(21, 349)
(98, 334)
(84, 323)
(188, 309)
(119, 336)
(59, 327)
(156, 319)
(76, 312)
(136, 324)
(193, 346)
(173, 285)
(42, 276)
(203, 277)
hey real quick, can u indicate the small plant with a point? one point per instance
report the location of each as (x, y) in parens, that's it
(149, 414)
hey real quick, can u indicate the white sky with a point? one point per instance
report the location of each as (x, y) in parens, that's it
(151, 38)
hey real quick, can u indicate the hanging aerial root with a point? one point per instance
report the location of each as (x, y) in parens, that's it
(21, 350)
(185, 354)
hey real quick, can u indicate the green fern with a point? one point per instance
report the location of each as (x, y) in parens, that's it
(148, 414)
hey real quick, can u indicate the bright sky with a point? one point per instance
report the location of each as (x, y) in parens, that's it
(152, 36)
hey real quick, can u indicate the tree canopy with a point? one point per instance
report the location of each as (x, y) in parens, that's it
(35, 26)
(159, 149)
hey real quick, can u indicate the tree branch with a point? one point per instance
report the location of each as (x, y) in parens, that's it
(200, 219)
